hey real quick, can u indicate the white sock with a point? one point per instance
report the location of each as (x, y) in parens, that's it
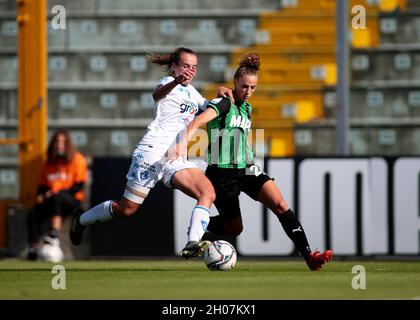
(200, 218)
(102, 212)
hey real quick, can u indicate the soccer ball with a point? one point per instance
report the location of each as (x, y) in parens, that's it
(220, 256)
(51, 252)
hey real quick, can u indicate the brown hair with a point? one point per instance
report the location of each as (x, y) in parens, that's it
(52, 154)
(168, 59)
(250, 64)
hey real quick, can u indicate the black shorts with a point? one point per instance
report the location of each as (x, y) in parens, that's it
(229, 183)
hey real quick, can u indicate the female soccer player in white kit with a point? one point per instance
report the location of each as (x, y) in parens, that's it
(176, 104)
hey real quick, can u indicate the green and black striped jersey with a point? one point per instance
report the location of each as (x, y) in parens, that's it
(227, 134)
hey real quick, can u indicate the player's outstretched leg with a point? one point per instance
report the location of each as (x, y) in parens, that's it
(194, 249)
(100, 213)
(76, 230)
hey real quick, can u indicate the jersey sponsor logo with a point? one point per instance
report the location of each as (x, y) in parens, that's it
(188, 107)
(240, 122)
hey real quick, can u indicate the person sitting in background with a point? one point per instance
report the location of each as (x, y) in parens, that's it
(60, 190)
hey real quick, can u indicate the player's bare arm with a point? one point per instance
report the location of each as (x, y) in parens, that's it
(180, 149)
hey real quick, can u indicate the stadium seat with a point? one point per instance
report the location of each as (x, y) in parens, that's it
(9, 182)
(401, 66)
(109, 141)
(385, 140)
(9, 173)
(105, 6)
(309, 5)
(107, 32)
(311, 140)
(278, 147)
(329, 5)
(298, 73)
(8, 7)
(367, 137)
(361, 38)
(74, 6)
(94, 104)
(300, 108)
(8, 100)
(401, 29)
(278, 37)
(274, 54)
(280, 142)
(8, 152)
(391, 5)
(8, 34)
(381, 104)
(8, 68)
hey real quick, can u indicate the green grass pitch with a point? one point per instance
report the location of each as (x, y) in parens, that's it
(178, 279)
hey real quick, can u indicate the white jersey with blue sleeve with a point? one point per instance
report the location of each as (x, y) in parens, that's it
(171, 114)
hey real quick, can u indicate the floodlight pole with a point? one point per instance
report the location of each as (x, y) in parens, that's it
(343, 80)
(32, 93)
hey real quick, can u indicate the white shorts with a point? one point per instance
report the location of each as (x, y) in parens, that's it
(147, 168)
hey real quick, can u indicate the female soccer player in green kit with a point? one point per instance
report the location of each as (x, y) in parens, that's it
(231, 169)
